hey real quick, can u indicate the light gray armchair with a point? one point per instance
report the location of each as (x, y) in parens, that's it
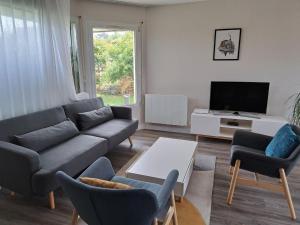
(144, 205)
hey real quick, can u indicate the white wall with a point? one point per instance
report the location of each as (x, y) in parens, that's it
(93, 10)
(180, 48)
(178, 43)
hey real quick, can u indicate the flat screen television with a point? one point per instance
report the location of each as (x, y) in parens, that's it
(239, 96)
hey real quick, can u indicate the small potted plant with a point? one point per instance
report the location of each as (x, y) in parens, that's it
(296, 109)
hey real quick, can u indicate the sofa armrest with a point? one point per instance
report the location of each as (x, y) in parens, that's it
(17, 165)
(251, 140)
(122, 112)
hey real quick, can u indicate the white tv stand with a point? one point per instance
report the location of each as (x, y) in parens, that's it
(219, 125)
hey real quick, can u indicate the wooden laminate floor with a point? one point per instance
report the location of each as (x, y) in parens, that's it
(250, 206)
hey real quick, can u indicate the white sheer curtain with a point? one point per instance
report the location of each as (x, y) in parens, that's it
(35, 63)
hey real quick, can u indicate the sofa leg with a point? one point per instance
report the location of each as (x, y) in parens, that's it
(287, 193)
(51, 200)
(130, 141)
(74, 217)
(233, 181)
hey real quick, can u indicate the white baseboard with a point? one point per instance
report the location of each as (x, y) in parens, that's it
(158, 127)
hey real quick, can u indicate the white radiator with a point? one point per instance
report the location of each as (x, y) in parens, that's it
(166, 109)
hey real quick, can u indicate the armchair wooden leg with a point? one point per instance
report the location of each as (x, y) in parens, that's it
(173, 204)
(169, 216)
(51, 200)
(287, 193)
(233, 181)
(155, 222)
(130, 141)
(74, 217)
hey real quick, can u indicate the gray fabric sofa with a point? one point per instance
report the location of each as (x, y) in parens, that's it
(32, 173)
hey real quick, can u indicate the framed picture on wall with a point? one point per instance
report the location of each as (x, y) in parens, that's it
(227, 44)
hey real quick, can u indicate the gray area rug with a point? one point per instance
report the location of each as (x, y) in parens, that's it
(201, 184)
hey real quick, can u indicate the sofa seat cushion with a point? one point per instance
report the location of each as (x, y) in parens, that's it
(115, 131)
(72, 157)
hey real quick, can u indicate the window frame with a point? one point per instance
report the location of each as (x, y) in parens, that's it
(90, 63)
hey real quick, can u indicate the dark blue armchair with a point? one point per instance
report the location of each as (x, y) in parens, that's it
(248, 153)
(143, 205)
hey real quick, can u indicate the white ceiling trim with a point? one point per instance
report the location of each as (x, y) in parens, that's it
(151, 2)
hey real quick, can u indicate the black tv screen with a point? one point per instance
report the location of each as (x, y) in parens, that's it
(239, 96)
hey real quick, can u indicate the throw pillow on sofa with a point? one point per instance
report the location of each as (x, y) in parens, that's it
(96, 117)
(283, 143)
(42, 139)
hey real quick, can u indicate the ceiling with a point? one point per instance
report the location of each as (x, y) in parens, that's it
(152, 2)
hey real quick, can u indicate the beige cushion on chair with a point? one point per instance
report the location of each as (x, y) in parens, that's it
(104, 183)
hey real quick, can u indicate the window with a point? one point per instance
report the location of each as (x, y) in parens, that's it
(114, 65)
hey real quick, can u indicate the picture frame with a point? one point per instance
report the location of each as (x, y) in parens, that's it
(227, 44)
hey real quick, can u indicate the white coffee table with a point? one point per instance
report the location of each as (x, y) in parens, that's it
(163, 156)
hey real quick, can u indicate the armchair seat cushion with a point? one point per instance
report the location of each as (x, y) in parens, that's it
(238, 150)
(246, 155)
(154, 188)
(72, 157)
(115, 131)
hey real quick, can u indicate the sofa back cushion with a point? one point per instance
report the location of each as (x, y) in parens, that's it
(82, 106)
(93, 118)
(30, 122)
(42, 139)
